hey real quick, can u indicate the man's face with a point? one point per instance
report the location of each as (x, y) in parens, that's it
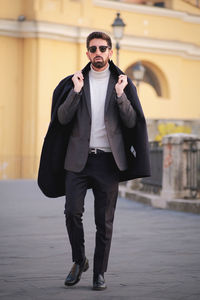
(98, 58)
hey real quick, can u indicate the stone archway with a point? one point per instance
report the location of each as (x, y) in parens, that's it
(153, 76)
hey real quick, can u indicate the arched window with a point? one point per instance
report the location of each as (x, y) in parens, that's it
(153, 76)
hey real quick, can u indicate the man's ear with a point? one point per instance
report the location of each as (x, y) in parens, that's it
(87, 53)
(110, 53)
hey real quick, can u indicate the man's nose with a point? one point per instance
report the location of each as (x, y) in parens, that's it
(98, 51)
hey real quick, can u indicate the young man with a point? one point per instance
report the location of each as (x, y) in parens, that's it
(96, 112)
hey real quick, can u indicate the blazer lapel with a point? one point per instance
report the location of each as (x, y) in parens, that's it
(111, 85)
(86, 91)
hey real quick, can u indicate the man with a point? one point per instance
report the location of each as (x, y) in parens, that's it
(98, 122)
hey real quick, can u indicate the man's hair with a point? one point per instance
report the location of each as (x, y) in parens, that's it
(98, 35)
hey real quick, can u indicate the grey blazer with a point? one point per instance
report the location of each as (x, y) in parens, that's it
(77, 107)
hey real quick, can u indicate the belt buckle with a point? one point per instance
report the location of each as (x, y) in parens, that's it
(93, 150)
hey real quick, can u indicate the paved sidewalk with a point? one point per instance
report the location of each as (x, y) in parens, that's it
(155, 254)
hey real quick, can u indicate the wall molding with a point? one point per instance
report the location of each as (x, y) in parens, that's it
(60, 32)
(148, 10)
(182, 49)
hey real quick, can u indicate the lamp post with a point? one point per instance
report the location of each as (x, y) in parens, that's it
(138, 73)
(118, 32)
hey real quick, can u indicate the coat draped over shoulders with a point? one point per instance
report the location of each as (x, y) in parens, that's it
(51, 175)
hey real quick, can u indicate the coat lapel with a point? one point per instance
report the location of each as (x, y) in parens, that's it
(111, 85)
(86, 91)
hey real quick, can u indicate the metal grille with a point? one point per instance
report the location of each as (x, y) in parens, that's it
(154, 183)
(193, 169)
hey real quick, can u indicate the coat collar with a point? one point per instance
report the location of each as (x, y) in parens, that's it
(113, 69)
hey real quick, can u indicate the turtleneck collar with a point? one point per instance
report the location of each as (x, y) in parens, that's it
(99, 75)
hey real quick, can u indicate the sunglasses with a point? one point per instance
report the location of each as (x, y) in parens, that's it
(93, 49)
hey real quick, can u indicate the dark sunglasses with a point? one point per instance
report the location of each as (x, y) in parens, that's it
(93, 49)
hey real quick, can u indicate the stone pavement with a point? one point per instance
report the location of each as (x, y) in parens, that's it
(155, 253)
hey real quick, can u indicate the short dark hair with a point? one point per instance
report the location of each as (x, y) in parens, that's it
(99, 35)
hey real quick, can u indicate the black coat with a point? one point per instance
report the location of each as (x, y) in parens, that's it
(51, 174)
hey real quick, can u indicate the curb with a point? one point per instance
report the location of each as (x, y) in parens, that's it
(183, 205)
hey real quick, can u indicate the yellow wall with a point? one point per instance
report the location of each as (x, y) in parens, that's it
(140, 24)
(32, 66)
(57, 60)
(182, 5)
(29, 109)
(11, 9)
(11, 74)
(182, 77)
(86, 13)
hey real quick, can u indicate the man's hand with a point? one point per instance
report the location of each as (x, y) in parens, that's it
(78, 81)
(121, 84)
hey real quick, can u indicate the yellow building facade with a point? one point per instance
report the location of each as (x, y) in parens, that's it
(43, 41)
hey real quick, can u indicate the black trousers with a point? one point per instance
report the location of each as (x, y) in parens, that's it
(102, 174)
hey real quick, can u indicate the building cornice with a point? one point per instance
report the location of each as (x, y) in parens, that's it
(54, 31)
(148, 10)
(151, 45)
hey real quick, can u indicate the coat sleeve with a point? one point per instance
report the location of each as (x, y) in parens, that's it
(68, 108)
(126, 111)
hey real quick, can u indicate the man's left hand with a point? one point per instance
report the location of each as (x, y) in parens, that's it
(121, 84)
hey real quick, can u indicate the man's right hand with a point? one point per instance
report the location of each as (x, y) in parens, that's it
(78, 81)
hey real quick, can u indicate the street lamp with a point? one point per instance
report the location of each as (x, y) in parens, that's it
(118, 31)
(138, 72)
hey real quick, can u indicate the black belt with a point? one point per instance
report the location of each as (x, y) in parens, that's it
(97, 151)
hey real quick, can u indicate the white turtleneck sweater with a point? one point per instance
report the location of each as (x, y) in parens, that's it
(98, 89)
